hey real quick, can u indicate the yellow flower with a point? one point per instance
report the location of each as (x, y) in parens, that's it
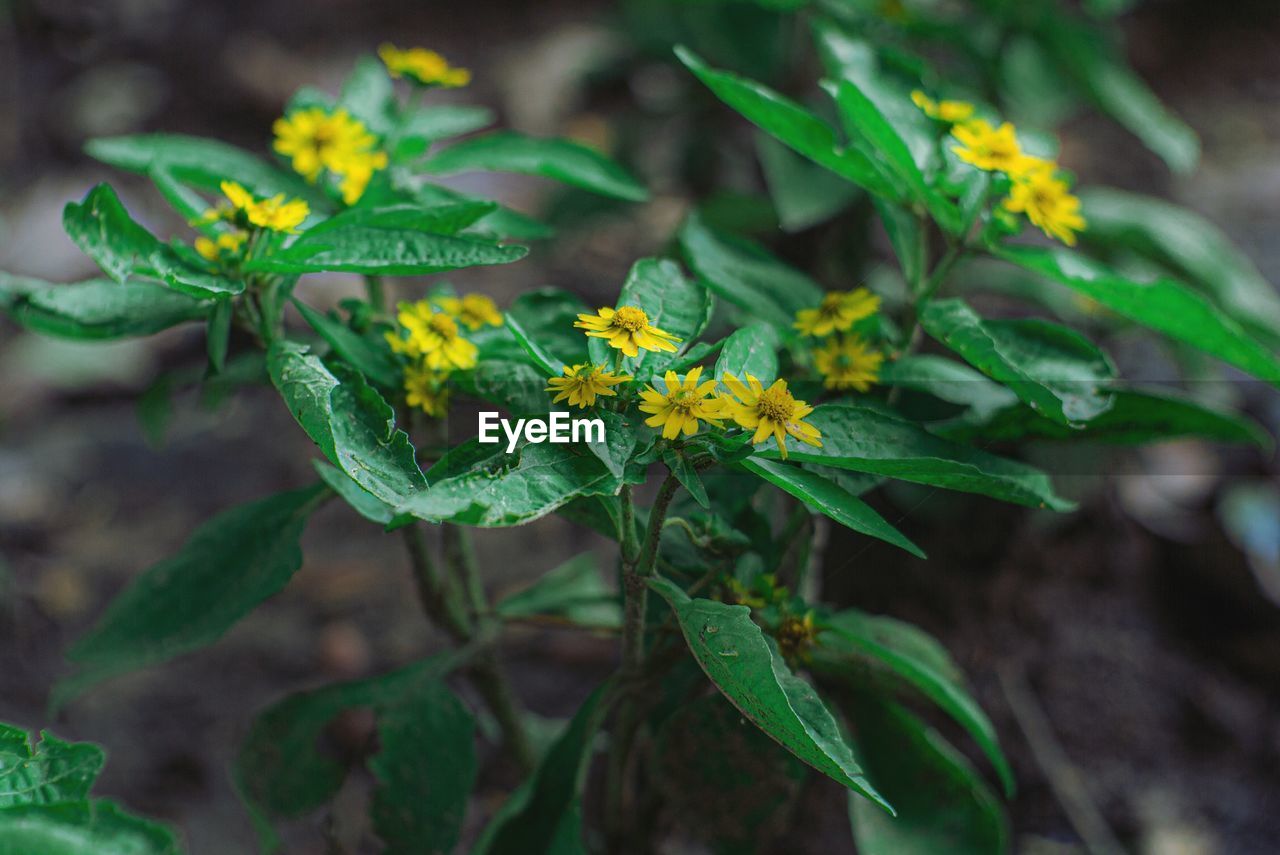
(472, 310)
(423, 66)
(682, 405)
(357, 171)
(627, 328)
(839, 310)
(432, 337)
(227, 243)
(770, 412)
(990, 149)
(1048, 203)
(315, 139)
(582, 383)
(275, 213)
(848, 363)
(796, 636)
(944, 111)
(426, 390)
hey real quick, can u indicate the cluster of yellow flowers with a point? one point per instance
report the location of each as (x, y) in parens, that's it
(684, 402)
(844, 361)
(243, 212)
(424, 67)
(1037, 191)
(316, 140)
(428, 335)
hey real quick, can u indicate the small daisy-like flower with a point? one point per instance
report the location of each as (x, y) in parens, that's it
(275, 213)
(627, 328)
(848, 363)
(315, 139)
(423, 66)
(771, 412)
(989, 149)
(1047, 201)
(426, 390)
(432, 337)
(944, 111)
(684, 403)
(226, 244)
(582, 383)
(839, 310)
(472, 310)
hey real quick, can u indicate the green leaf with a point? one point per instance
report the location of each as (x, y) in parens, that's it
(425, 768)
(559, 159)
(748, 669)
(390, 252)
(445, 218)
(949, 381)
(1119, 92)
(361, 500)
(858, 62)
(1163, 305)
(867, 440)
(51, 772)
(517, 387)
(549, 365)
(349, 421)
(504, 222)
(880, 141)
(747, 276)
(1138, 416)
(791, 124)
(753, 350)
(943, 805)
(281, 773)
(674, 303)
(482, 485)
(98, 309)
(229, 566)
(687, 475)
(546, 317)
(426, 125)
(824, 496)
(360, 352)
(1055, 370)
(204, 163)
(1190, 246)
(105, 232)
(574, 591)
(81, 828)
(913, 657)
(544, 814)
(803, 194)
(368, 94)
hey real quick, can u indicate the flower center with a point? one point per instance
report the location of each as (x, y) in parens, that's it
(443, 325)
(776, 404)
(830, 306)
(630, 318)
(685, 400)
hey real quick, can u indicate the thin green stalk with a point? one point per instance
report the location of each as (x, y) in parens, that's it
(376, 293)
(636, 569)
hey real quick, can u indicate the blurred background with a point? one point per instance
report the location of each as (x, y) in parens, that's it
(1129, 654)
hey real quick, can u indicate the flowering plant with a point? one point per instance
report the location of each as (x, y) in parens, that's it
(762, 404)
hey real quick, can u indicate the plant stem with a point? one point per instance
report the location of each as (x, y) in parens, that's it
(440, 604)
(636, 568)
(375, 293)
(635, 583)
